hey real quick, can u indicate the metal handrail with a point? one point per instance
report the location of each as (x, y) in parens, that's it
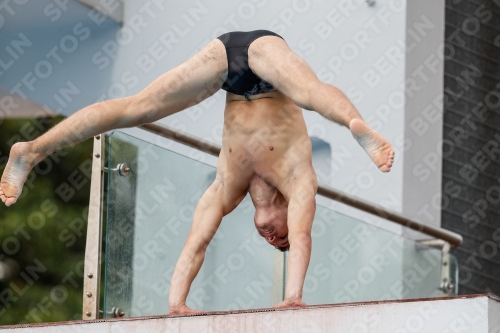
(452, 238)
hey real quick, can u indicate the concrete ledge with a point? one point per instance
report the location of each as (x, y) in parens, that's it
(471, 313)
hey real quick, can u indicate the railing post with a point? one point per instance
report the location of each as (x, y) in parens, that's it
(92, 272)
(448, 285)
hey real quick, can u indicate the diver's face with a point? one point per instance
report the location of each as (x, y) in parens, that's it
(271, 223)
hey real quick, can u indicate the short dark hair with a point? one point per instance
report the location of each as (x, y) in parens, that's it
(283, 248)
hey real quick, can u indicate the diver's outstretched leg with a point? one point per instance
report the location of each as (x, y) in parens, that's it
(183, 86)
(271, 59)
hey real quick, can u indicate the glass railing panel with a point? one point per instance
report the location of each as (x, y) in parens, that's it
(149, 216)
(150, 212)
(356, 261)
(120, 227)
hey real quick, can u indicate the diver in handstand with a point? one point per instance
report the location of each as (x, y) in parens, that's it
(265, 146)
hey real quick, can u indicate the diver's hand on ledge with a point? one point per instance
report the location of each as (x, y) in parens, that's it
(296, 303)
(182, 310)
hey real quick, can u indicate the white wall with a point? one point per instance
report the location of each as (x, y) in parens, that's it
(424, 110)
(352, 45)
(333, 36)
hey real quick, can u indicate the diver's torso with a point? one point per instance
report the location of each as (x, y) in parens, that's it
(266, 134)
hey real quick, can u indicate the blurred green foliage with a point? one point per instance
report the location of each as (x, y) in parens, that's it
(42, 236)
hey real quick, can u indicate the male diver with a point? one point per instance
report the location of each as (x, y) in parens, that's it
(265, 146)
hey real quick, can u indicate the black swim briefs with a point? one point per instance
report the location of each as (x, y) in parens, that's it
(240, 78)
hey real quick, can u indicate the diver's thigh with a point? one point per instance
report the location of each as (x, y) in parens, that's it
(272, 60)
(185, 85)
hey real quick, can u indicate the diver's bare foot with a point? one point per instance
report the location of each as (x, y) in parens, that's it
(378, 148)
(20, 163)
